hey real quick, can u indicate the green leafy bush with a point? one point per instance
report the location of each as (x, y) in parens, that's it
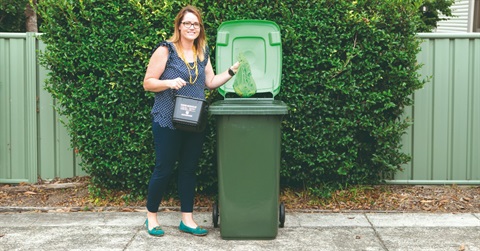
(353, 70)
(430, 12)
(349, 68)
(12, 15)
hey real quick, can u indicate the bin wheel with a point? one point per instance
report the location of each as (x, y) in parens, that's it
(215, 215)
(282, 215)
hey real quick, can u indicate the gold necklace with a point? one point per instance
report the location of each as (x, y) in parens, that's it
(195, 66)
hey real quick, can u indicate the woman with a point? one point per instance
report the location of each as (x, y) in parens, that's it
(180, 65)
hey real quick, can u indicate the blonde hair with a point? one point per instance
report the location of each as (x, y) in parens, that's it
(200, 42)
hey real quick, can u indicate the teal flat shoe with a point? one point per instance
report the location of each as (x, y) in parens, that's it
(198, 231)
(156, 231)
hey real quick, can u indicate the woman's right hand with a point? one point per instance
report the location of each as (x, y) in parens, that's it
(176, 83)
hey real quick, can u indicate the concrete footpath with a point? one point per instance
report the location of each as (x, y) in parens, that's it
(302, 231)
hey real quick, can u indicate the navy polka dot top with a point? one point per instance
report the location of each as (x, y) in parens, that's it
(162, 110)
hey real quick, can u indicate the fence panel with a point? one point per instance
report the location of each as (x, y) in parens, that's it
(18, 113)
(33, 143)
(56, 157)
(444, 140)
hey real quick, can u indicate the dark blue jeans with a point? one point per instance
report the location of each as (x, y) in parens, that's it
(170, 146)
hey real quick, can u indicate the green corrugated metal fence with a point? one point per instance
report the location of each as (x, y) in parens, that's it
(444, 140)
(33, 142)
(445, 137)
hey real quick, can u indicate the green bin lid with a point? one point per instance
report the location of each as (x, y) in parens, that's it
(249, 106)
(261, 44)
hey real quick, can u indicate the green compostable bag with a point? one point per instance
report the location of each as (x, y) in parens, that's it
(244, 85)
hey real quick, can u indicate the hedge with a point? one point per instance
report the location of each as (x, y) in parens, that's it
(349, 68)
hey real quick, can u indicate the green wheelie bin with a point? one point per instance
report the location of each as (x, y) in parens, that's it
(249, 134)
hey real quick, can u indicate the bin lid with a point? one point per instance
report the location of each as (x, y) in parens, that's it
(250, 106)
(261, 44)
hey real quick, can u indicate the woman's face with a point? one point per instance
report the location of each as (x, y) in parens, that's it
(189, 27)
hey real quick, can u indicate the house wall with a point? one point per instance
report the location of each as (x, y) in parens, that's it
(462, 20)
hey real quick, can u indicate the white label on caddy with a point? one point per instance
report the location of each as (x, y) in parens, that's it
(187, 109)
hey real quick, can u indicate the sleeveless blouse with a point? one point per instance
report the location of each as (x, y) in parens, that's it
(162, 110)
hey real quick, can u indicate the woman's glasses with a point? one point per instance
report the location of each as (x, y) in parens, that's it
(188, 25)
